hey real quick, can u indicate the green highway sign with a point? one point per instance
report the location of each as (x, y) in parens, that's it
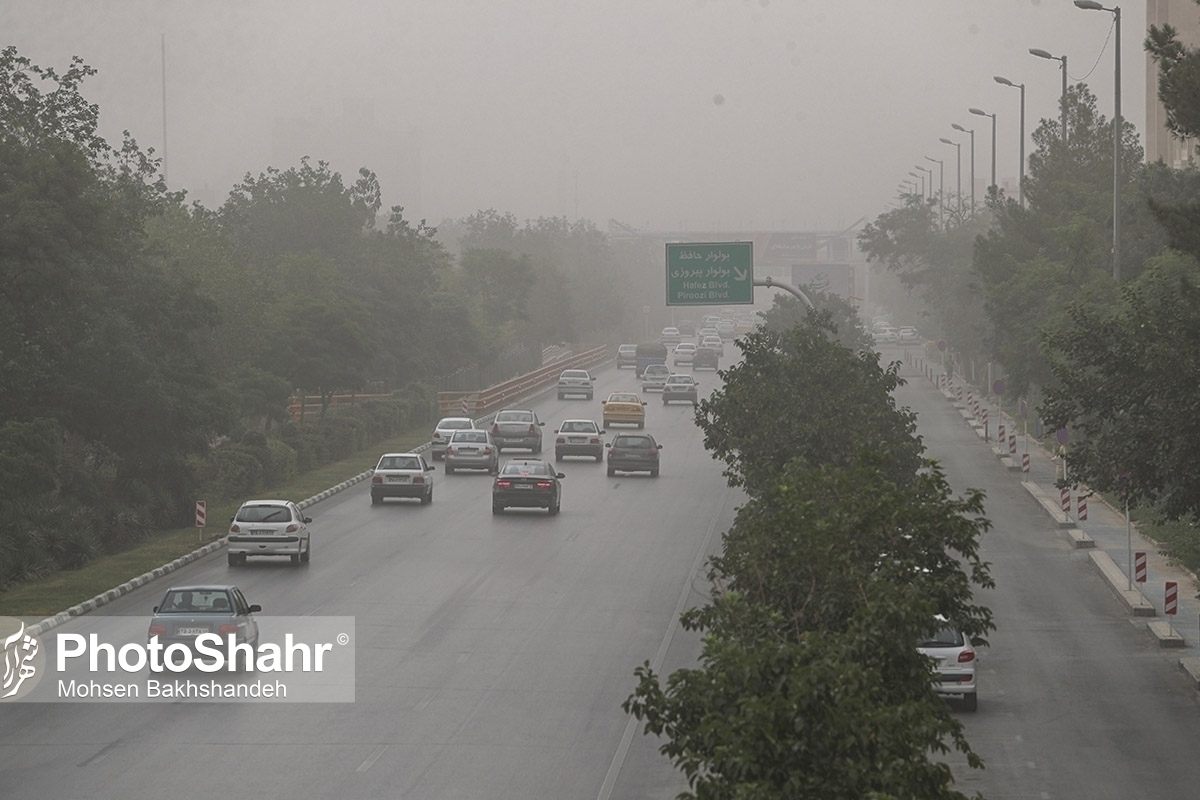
(710, 273)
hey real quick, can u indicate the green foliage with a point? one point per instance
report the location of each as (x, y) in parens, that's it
(1178, 80)
(798, 394)
(1126, 389)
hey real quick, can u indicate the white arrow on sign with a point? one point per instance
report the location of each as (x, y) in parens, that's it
(739, 274)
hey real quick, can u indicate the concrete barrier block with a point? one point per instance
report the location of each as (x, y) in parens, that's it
(1079, 539)
(1191, 666)
(1050, 505)
(1165, 633)
(1118, 581)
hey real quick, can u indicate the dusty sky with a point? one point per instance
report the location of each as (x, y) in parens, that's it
(663, 114)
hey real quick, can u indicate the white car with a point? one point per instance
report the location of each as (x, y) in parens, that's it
(444, 430)
(575, 381)
(727, 329)
(908, 335)
(954, 661)
(655, 377)
(268, 528)
(706, 332)
(670, 336)
(714, 343)
(684, 353)
(402, 475)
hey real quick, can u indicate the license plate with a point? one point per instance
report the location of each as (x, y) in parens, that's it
(398, 479)
(577, 439)
(261, 531)
(469, 450)
(522, 486)
(190, 631)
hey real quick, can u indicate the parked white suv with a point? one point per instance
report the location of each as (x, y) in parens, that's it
(954, 662)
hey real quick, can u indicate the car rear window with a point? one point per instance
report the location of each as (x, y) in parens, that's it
(946, 637)
(455, 424)
(469, 436)
(515, 416)
(579, 427)
(633, 442)
(264, 513)
(574, 373)
(526, 469)
(182, 601)
(623, 398)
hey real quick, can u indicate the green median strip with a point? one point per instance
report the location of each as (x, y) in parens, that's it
(60, 591)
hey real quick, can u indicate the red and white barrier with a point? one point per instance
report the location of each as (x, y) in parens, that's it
(1012, 445)
(201, 513)
(1066, 499)
(1139, 567)
(985, 426)
(1171, 598)
(1025, 463)
(1000, 437)
(1081, 514)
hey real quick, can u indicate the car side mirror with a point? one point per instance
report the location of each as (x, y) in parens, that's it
(307, 520)
(602, 402)
(255, 607)
(559, 475)
(644, 403)
(541, 423)
(430, 468)
(603, 432)
(660, 447)
(154, 610)
(608, 444)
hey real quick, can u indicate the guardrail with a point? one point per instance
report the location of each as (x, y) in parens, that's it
(301, 407)
(494, 398)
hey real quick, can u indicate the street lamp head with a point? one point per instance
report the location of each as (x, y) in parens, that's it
(1090, 5)
(958, 127)
(1035, 51)
(937, 161)
(980, 113)
(944, 140)
(1004, 81)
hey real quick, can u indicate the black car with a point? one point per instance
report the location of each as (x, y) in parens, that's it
(633, 452)
(705, 358)
(527, 483)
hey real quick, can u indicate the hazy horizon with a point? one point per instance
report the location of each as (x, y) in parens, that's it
(662, 114)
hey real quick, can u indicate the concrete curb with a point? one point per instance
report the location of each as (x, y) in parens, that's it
(1137, 604)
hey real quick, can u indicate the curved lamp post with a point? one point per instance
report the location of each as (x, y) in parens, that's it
(958, 174)
(1021, 179)
(922, 179)
(958, 127)
(1034, 51)
(941, 192)
(980, 113)
(1091, 5)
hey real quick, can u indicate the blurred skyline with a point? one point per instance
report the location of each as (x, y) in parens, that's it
(662, 114)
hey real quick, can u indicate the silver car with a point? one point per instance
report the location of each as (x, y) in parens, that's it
(655, 377)
(954, 661)
(578, 437)
(576, 382)
(268, 528)
(186, 612)
(472, 450)
(442, 432)
(517, 428)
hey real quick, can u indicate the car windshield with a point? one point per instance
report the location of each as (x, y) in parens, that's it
(469, 436)
(574, 373)
(578, 427)
(657, 369)
(455, 424)
(679, 379)
(264, 513)
(195, 601)
(526, 468)
(399, 462)
(515, 416)
(634, 442)
(623, 398)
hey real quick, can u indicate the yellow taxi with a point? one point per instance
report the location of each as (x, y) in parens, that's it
(624, 407)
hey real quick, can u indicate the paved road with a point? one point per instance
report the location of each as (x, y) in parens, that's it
(1076, 700)
(493, 653)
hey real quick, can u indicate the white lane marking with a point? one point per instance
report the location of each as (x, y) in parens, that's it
(366, 765)
(614, 769)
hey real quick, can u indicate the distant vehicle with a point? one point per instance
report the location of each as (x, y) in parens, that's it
(650, 353)
(954, 663)
(517, 428)
(908, 335)
(624, 407)
(402, 475)
(576, 382)
(527, 483)
(726, 329)
(714, 343)
(705, 358)
(683, 353)
(442, 431)
(472, 450)
(633, 452)
(706, 332)
(627, 356)
(669, 336)
(654, 377)
(268, 528)
(578, 437)
(687, 328)
(680, 389)
(711, 320)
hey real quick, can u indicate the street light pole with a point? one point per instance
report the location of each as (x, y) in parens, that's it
(941, 193)
(958, 127)
(980, 113)
(1043, 54)
(1021, 179)
(1091, 5)
(958, 173)
(922, 178)
(929, 172)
